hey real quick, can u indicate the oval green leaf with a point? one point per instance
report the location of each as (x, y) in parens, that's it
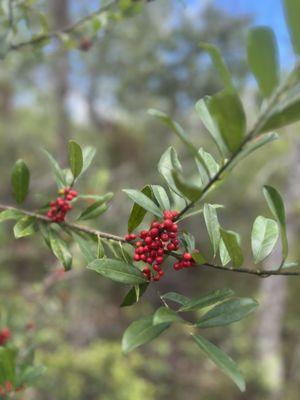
(75, 158)
(20, 181)
(264, 236)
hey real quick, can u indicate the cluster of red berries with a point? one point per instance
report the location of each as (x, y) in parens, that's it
(156, 243)
(6, 388)
(60, 207)
(4, 336)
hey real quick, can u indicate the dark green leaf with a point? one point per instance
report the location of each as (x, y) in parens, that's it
(20, 181)
(276, 206)
(93, 211)
(144, 201)
(226, 313)
(228, 114)
(60, 250)
(165, 315)
(222, 361)
(60, 177)
(263, 58)
(207, 299)
(134, 294)
(75, 158)
(212, 225)
(138, 212)
(232, 245)
(292, 14)
(176, 297)
(117, 271)
(264, 236)
(186, 188)
(141, 332)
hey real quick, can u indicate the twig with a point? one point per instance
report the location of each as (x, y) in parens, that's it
(287, 84)
(70, 28)
(70, 225)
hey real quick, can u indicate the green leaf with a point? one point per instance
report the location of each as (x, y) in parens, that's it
(232, 245)
(189, 241)
(263, 58)
(212, 225)
(198, 257)
(176, 297)
(224, 255)
(228, 114)
(219, 64)
(168, 161)
(60, 250)
(144, 201)
(291, 264)
(207, 118)
(161, 197)
(20, 181)
(60, 177)
(292, 15)
(285, 113)
(117, 271)
(264, 236)
(10, 214)
(75, 158)
(226, 313)
(100, 248)
(104, 198)
(134, 294)
(178, 130)
(141, 332)
(7, 365)
(221, 360)
(186, 188)
(88, 154)
(26, 226)
(138, 212)
(85, 245)
(211, 164)
(165, 315)
(93, 211)
(276, 206)
(207, 299)
(31, 374)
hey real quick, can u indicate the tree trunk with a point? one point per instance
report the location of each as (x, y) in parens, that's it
(61, 70)
(272, 296)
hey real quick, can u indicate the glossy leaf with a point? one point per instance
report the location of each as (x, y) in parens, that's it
(221, 360)
(212, 225)
(60, 250)
(60, 176)
(226, 313)
(141, 332)
(207, 299)
(10, 214)
(264, 236)
(144, 201)
(276, 206)
(138, 212)
(161, 197)
(93, 211)
(228, 114)
(168, 161)
(20, 181)
(176, 297)
(292, 14)
(166, 315)
(263, 58)
(26, 226)
(224, 255)
(117, 271)
(88, 154)
(134, 294)
(232, 245)
(75, 158)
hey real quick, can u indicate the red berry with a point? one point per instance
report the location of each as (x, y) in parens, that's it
(159, 260)
(156, 267)
(171, 247)
(174, 228)
(175, 214)
(187, 257)
(136, 257)
(143, 257)
(143, 234)
(161, 272)
(186, 264)
(154, 232)
(172, 235)
(139, 250)
(155, 224)
(154, 245)
(138, 244)
(146, 270)
(160, 252)
(149, 260)
(168, 214)
(164, 237)
(168, 223)
(148, 240)
(157, 277)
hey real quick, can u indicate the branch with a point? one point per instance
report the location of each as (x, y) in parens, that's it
(76, 227)
(70, 28)
(283, 88)
(262, 274)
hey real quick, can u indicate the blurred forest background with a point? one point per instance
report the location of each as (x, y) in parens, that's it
(100, 98)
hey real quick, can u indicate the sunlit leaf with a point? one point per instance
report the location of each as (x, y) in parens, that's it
(144, 201)
(207, 299)
(264, 236)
